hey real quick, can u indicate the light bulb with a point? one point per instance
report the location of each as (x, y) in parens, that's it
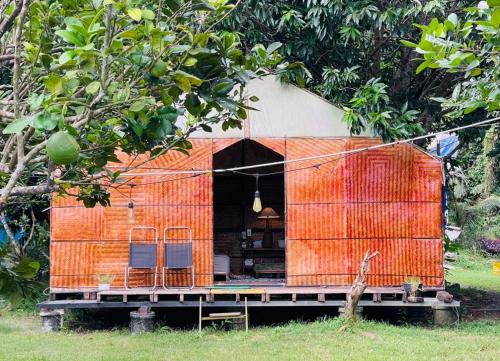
(257, 204)
(130, 213)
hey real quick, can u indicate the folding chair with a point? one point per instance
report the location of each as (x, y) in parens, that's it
(177, 255)
(142, 255)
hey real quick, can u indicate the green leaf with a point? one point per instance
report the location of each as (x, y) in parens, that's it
(453, 18)
(66, 57)
(177, 49)
(137, 106)
(493, 3)
(93, 88)
(46, 121)
(148, 14)
(191, 78)
(17, 125)
(35, 101)
(70, 85)
(273, 47)
(222, 88)
(190, 61)
(193, 104)
(135, 14)
(70, 37)
(54, 84)
(423, 66)
(495, 18)
(408, 43)
(254, 98)
(183, 83)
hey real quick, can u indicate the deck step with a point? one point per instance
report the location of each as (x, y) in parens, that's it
(225, 314)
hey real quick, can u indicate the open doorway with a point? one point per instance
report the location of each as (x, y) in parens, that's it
(249, 246)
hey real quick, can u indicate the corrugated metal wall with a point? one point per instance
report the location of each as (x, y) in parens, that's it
(386, 200)
(91, 242)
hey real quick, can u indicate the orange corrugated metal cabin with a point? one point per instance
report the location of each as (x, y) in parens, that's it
(331, 210)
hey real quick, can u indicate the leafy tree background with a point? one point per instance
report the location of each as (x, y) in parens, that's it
(118, 74)
(365, 57)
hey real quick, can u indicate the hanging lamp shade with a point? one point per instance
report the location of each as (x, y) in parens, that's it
(268, 213)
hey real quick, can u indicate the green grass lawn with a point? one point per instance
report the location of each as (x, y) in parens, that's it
(321, 340)
(473, 270)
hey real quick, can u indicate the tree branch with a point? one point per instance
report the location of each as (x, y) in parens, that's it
(6, 24)
(359, 286)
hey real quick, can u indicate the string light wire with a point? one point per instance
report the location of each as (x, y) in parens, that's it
(315, 157)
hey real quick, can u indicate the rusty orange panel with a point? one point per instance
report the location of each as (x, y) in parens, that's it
(427, 178)
(316, 257)
(399, 259)
(316, 221)
(199, 158)
(76, 223)
(385, 200)
(159, 201)
(324, 183)
(116, 222)
(198, 218)
(379, 220)
(220, 144)
(70, 256)
(277, 145)
(428, 220)
(313, 262)
(384, 174)
(78, 264)
(121, 193)
(178, 190)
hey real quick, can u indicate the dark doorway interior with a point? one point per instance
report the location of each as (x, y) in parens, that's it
(238, 231)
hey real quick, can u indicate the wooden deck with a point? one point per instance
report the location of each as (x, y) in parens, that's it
(261, 296)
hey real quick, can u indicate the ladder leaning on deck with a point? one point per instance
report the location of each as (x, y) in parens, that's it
(222, 316)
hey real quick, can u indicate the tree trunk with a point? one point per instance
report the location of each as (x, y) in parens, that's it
(358, 287)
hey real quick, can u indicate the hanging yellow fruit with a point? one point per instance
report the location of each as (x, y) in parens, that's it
(62, 148)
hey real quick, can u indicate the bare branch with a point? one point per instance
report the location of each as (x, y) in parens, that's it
(6, 24)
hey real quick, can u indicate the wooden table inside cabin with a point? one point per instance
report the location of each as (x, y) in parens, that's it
(263, 253)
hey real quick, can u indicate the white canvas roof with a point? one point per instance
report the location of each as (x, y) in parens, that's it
(284, 111)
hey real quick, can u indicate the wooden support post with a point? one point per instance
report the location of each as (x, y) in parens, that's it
(237, 299)
(125, 298)
(210, 298)
(98, 298)
(377, 297)
(181, 297)
(199, 316)
(268, 297)
(246, 315)
(294, 297)
(321, 297)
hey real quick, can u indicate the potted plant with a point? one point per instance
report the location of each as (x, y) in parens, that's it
(411, 286)
(104, 282)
